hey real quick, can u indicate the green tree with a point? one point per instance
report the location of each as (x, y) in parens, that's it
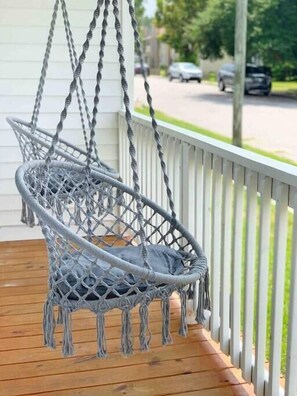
(271, 36)
(176, 16)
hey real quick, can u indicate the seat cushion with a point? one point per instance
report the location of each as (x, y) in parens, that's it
(82, 272)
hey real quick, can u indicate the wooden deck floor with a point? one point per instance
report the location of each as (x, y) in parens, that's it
(190, 366)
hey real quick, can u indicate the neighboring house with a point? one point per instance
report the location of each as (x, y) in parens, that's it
(158, 54)
(24, 27)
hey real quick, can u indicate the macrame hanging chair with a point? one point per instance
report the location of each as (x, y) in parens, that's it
(118, 255)
(35, 142)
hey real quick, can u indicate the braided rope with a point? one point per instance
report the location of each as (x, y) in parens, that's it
(151, 109)
(98, 82)
(73, 84)
(74, 61)
(37, 104)
(130, 134)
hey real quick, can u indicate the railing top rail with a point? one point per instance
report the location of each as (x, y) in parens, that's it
(277, 170)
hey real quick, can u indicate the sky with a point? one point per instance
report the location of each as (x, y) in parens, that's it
(150, 6)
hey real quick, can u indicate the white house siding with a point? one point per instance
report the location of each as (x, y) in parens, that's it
(24, 26)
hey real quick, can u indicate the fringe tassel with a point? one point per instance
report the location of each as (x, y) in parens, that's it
(183, 329)
(60, 317)
(126, 339)
(144, 338)
(200, 318)
(207, 297)
(166, 336)
(49, 324)
(30, 217)
(67, 345)
(24, 218)
(101, 341)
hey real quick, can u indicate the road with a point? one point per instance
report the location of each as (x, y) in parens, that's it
(269, 123)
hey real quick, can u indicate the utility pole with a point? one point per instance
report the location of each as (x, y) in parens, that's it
(240, 62)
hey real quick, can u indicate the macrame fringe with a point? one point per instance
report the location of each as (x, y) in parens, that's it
(166, 336)
(207, 296)
(126, 339)
(144, 337)
(49, 324)
(183, 328)
(30, 217)
(101, 340)
(67, 345)
(200, 318)
(24, 218)
(60, 317)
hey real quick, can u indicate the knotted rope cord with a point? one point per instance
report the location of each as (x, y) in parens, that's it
(98, 82)
(94, 119)
(130, 134)
(73, 60)
(39, 93)
(73, 84)
(151, 109)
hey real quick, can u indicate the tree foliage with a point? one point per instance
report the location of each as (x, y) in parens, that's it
(207, 27)
(176, 16)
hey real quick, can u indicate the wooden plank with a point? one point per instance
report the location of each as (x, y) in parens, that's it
(191, 364)
(233, 390)
(179, 350)
(173, 384)
(89, 347)
(35, 317)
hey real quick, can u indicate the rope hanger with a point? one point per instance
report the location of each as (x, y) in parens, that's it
(86, 271)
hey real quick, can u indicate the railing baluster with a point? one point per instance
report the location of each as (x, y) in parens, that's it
(262, 292)
(250, 255)
(207, 176)
(280, 244)
(216, 247)
(198, 187)
(235, 344)
(202, 192)
(188, 177)
(226, 258)
(291, 367)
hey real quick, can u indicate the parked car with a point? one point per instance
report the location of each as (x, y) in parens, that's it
(257, 78)
(185, 71)
(137, 68)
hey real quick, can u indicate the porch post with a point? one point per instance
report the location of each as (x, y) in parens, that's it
(240, 60)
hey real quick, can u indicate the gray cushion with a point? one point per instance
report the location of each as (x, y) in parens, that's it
(83, 271)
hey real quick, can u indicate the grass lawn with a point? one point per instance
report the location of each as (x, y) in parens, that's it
(285, 87)
(186, 125)
(171, 120)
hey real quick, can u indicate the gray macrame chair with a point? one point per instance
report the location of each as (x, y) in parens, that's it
(117, 255)
(35, 142)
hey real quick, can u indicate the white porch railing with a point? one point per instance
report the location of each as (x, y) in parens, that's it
(241, 207)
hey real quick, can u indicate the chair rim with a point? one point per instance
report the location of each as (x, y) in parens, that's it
(96, 251)
(17, 123)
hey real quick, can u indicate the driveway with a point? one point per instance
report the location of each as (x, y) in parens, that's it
(269, 123)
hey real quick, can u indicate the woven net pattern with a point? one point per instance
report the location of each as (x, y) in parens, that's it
(83, 217)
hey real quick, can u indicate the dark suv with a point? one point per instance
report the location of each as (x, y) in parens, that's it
(257, 78)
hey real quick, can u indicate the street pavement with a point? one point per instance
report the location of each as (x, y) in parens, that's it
(269, 123)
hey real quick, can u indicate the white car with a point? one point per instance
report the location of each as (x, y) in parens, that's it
(185, 71)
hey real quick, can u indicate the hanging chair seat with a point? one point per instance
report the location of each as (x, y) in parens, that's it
(36, 146)
(87, 270)
(77, 274)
